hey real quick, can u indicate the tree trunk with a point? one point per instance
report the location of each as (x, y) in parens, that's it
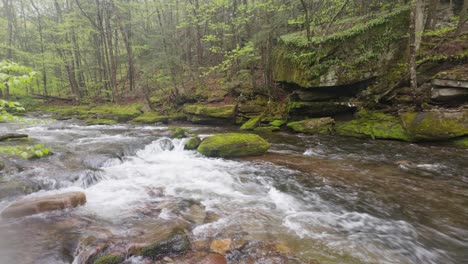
(462, 20)
(412, 49)
(431, 19)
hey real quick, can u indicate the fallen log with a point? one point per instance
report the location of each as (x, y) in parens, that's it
(11, 136)
(48, 97)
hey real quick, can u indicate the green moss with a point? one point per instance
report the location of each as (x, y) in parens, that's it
(120, 113)
(313, 126)
(233, 145)
(178, 132)
(277, 123)
(109, 259)
(192, 143)
(460, 142)
(373, 125)
(26, 152)
(151, 118)
(435, 125)
(318, 109)
(2, 166)
(176, 243)
(252, 123)
(227, 111)
(91, 121)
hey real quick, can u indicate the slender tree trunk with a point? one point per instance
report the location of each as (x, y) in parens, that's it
(412, 49)
(41, 38)
(307, 21)
(431, 19)
(462, 20)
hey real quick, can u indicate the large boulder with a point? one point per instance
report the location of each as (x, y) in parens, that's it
(233, 145)
(372, 124)
(313, 126)
(435, 125)
(31, 206)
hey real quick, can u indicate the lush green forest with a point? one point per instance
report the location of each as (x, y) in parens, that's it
(113, 50)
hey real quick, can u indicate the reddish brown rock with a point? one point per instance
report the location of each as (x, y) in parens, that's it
(214, 258)
(47, 203)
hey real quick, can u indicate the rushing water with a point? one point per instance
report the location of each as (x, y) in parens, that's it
(333, 200)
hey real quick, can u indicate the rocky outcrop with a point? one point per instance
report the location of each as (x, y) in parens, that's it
(313, 126)
(451, 85)
(31, 206)
(435, 125)
(151, 118)
(364, 50)
(203, 114)
(233, 145)
(318, 109)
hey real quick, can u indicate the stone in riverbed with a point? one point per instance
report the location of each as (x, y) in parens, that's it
(221, 246)
(192, 143)
(232, 145)
(213, 258)
(109, 259)
(177, 243)
(44, 204)
(313, 126)
(252, 123)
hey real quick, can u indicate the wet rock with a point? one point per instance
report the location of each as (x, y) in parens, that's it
(37, 205)
(4, 137)
(313, 126)
(2, 166)
(266, 129)
(196, 214)
(100, 121)
(277, 123)
(233, 145)
(252, 123)
(213, 258)
(178, 132)
(372, 124)
(109, 259)
(221, 246)
(177, 243)
(14, 188)
(192, 143)
(435, 125)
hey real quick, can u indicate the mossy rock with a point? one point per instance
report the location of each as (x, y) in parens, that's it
(375, 125)
(313, 126)
(226, 111)
(460, 142)
(277, 123)
(435, 125)
(151, 118)
(177, 243)
(109, 259)
(192, 143)
(178, 132)
(252, 123)
(233, 145)
(91, 121)
(2, 166)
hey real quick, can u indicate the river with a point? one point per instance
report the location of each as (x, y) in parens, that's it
(317, 199)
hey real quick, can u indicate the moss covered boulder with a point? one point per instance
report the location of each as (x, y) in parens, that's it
(252, 123)
(151, 118)
(374, 125)
(192, 143)
(204, 114)
(178, 132)
(460, 142)
(435, 125)
(233, 145)
(313, 126)
(109, 259)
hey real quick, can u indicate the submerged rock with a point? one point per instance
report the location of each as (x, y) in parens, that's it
(37, 205)
(12, 136)
(177, 243)
(435, 125)
(313, 126)
(192, 143)
(213, 258)
(221, 246)
(178, 132)
(233, 145)
(93, 121)
(372, 124)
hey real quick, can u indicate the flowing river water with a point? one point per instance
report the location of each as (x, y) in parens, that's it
(318, 199)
